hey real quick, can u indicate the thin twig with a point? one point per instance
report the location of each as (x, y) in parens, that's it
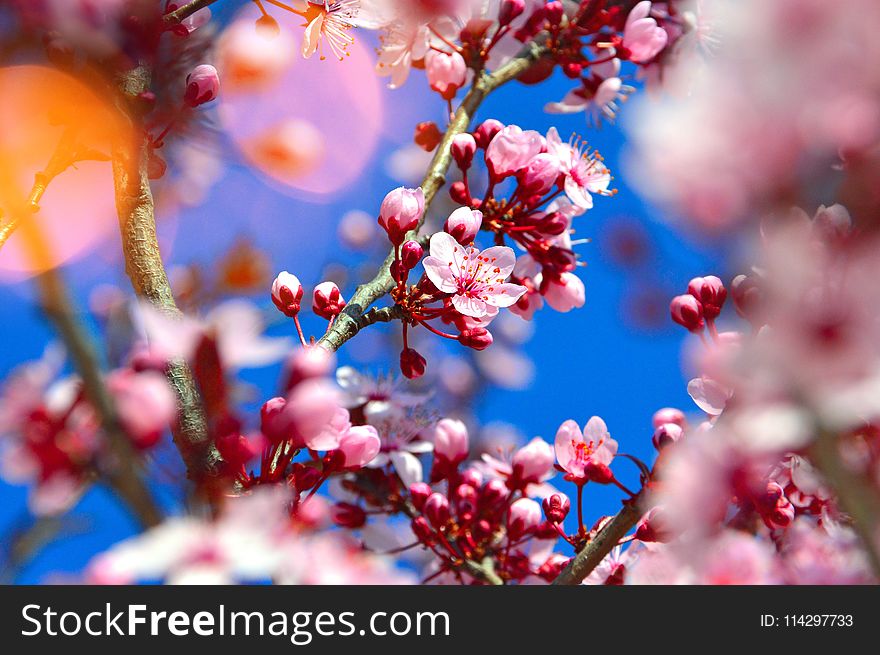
(596, 549)
(182, 13)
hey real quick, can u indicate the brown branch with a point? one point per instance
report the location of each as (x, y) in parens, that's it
(582, 564)
(366, 294)
(143, 264)
(182, 13)
(122, 473)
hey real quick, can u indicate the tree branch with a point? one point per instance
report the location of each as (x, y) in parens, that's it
(143, 264)
(366, 294)
(182, 13)
(595, 551)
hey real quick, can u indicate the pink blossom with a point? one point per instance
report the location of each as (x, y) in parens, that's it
(584, 171)
(446, 72)
(539, 175)
(475, 278)
(534, 461)
(145, 402)
(642, 37)
(585, 455)
(512, 149)
(709, 395)
(312, 407)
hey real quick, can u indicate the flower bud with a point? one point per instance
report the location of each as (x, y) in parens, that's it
(668, 415)
(287, 292)
(327, 300)
(446, 72)
(359, 445)
(554, 11)
(349, 516)
(458, 191)
(510, 10)
(411, 254)
(451, 440)
(418, 493)
(564, 294)
(412, 364)
(539, 175)
(487, 130)
(687, 312)
(274, 423)
(556, 507)
(400, 212)
(493, 493)
(476, 338)
(666, 434)
(472, 477)
(710, 292)
(525, 516)
(463, 149)
(436, 510)
(423, 531)
(746, 297)
(464, 224)
(202, 85)
(427, 136)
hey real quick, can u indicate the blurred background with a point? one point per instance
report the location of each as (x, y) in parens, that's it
(618, 357)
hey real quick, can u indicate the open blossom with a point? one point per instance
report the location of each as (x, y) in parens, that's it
(585, 455)
(476, 278)
(329, 21)
(642, 36)
(583, 170)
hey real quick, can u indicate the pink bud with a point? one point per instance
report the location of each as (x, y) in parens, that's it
(476, 338)
(423, 531)
(451, 440)
(436, 510)
(525, 515)
(464, 224)
(418, 493)
(512, 149)
(556, 507)
(687, 312)
(411, 254)
(472, 477)
(493, 493)
(360, 445)
(510, 10)
(668, 415)
(327, 300)
(458, 191)
(287, 292)
(412, 364)
(463, 149)
(554, 11)
(486, 131)
(564, 294)
(349, 516)
(540, 175)
(534, 461)
(666, 434)
(202, 85)
(446, 72)
(746, 297)
(401, 211)
(275, 424)
(312, 409)
(710, 292)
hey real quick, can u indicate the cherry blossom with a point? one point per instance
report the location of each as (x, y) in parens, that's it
(585, 454)
(475, 277)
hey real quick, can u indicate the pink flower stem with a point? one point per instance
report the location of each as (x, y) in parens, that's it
(713, 331)
(581, 529)
(620, 486)
(299, 331)
(438, 332)
(562, 533)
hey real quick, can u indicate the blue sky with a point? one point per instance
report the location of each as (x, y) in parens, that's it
(596, 360)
